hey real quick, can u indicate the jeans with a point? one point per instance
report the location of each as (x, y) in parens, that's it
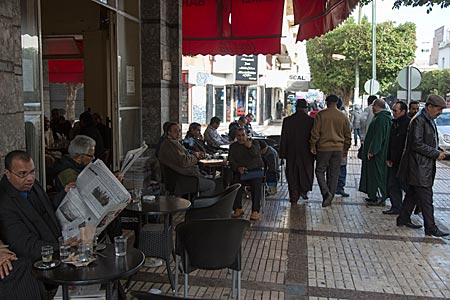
(356, 133)
(255, 190)
(342, 178)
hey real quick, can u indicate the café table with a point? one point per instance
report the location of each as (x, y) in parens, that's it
(159, 243)
(106, 269)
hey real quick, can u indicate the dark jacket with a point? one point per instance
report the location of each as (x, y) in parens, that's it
(418, 163)
(22, 226)
(397, 139)
(241, 156)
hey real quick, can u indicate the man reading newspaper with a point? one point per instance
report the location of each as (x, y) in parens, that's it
(98, 197)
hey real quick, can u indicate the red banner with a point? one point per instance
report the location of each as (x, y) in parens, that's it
(65, 70)
(320, 16)
(232, 27)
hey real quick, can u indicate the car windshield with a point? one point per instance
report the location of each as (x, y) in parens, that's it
(443, 119)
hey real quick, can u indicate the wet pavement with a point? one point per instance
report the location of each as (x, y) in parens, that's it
(345, 251)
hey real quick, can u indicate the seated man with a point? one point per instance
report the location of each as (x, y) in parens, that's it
(212, 137)
(248, 124)
(194, 141)
(272, 164)
(27, 222)
(175, 156)
(233, 127)
(245, 157)
(80, 154)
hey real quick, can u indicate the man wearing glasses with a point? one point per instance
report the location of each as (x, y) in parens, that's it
(27, 222)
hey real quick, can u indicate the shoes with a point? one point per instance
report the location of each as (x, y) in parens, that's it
(238, 212)
(343, 193)
(390, 212)
(327, 198)
(254, 216)
(436, 232)
(408, 224)
(304, 196)
(378, 202)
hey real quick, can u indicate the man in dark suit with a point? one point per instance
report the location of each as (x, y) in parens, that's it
(27, 222)
(294, 147)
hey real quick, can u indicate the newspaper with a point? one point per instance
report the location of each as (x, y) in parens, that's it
(131, 157)
(97, 199)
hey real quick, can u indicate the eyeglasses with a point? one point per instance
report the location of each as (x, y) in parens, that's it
(24, 174)
(88, 155)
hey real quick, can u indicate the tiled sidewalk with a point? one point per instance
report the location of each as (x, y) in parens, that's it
(345, 251)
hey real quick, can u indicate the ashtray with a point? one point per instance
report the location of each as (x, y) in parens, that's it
(45, 265)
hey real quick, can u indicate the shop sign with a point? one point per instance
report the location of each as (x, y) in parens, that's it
(297, 77)
(246, 68)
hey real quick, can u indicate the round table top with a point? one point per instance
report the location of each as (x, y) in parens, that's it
(102, 270)
(161, 205)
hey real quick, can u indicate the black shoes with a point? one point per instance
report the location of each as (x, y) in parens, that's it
(343, 194)
(327, 198)
(408, 224)
(436, 232)
(390, 212)
(304, 196)
(378, 202)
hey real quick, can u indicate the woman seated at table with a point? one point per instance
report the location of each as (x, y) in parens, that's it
(194, 140)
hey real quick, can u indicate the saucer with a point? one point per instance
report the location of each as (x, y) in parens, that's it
(46, 266)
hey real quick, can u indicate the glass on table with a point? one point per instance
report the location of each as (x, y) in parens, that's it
(47, 254)
(85, 249)
(120, 245)
(64, 248)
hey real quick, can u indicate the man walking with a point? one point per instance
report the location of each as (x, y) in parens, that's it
(413, 108)
(330, 140)
(374, 171)
(366, 117)
(418, 166)
(397, 141)
(279, 109)
(294, 147)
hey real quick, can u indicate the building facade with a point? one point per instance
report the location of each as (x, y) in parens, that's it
(129, 54)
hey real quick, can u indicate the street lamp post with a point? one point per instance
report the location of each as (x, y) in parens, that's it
(356, 88)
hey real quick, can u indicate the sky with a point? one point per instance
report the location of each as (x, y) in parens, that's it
(425, 23)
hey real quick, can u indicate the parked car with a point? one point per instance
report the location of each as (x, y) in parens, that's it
(443, 127)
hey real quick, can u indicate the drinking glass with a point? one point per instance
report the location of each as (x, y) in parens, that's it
(47, 254)
(64, 248)
(84, 251)
(120, 245)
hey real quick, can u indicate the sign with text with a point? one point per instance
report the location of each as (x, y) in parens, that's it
(246, 68)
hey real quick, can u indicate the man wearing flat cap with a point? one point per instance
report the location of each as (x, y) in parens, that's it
(294, 147)
(330, 140)
(418, 166)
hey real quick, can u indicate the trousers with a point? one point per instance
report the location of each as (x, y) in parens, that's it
(327, 170)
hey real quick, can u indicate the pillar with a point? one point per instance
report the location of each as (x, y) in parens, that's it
(161, 65)
(12, 136)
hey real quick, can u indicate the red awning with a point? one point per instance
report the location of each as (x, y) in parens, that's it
(65, 70)
(317, 17)
(232, 27)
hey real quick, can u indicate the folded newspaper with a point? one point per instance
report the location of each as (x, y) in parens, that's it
(131, 157)
(98, 198)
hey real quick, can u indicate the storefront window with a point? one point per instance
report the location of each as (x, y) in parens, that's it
(239, 101)
(31, 70)
(219, 99)
(228, 104)
(252, 102)
(129, 84)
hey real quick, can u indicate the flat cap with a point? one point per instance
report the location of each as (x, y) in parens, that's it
(332, 98)
(436, 100)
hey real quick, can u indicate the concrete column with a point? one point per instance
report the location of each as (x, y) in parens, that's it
(161, 65)
(11, 96)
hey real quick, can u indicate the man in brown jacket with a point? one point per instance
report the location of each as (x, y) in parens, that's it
(330, 140)
(175, 156)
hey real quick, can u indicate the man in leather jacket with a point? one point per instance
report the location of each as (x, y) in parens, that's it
(418, 165)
